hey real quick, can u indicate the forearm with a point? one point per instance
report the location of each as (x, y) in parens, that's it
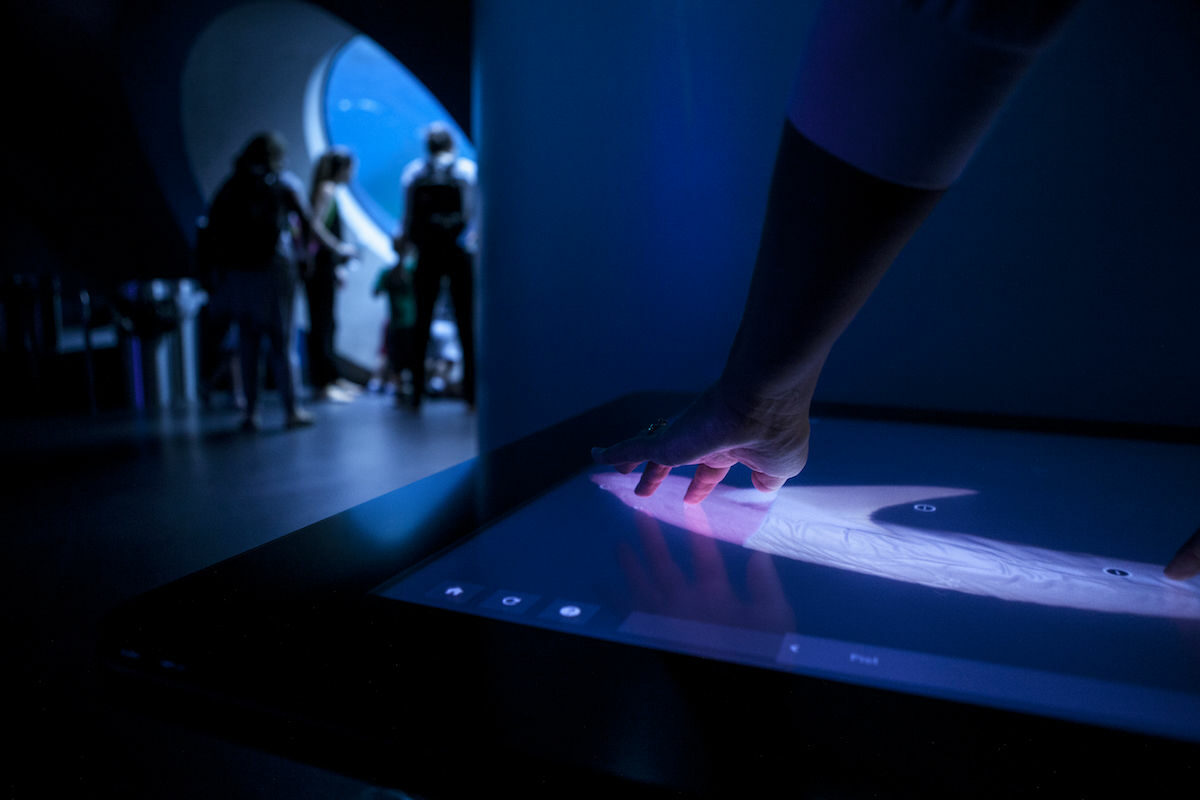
(890, 102)
(320, 209)
(406, 219)
(830, 233)
(327, 238)
(309, 223)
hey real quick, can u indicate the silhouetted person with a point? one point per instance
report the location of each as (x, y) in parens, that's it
(217, 333)
(333, 169)
(397, 283)
(438, 192)
(249, 231)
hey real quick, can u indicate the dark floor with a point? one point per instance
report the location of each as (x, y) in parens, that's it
(96, 511)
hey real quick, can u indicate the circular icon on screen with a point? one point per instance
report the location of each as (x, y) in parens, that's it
(924, 507)
(570, 612)
(510, 601)
(1120, 573)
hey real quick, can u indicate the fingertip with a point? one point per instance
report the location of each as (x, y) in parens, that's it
(696, 495)
(597, 453)
(767, 483)
(1186, 561)
(625, 469)
(1182, 567)
(652, 476)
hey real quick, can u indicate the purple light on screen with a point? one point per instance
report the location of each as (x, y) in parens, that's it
(832, 526)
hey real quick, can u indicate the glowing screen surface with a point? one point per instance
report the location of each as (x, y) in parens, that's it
(1020, 571)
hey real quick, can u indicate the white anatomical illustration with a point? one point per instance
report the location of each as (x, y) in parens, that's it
(832, 526)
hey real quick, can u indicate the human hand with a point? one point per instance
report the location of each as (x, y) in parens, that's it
(1186, 561)
(772, 441)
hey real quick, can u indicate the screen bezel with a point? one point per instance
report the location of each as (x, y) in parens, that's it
(248, 639)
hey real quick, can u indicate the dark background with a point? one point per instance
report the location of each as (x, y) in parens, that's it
(93, 81)
(1056, 278)
(625, 148)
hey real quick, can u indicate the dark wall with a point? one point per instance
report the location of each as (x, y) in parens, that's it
(625, 150)
(1060, 276)
(99, 162)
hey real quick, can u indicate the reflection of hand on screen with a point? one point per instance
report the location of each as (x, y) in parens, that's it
(1186, 562)
(838, 527)
(660, 585)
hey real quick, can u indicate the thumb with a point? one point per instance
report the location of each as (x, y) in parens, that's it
(1186, 562)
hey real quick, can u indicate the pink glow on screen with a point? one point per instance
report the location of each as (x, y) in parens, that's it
(832, 526)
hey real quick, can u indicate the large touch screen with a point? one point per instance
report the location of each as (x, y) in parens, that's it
(1021, 571)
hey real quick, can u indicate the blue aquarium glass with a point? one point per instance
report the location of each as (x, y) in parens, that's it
(378, 109)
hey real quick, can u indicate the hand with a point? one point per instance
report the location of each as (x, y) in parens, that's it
(1186, 562)
(772, 441)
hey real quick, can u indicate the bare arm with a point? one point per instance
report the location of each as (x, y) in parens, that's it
(1186, 562)
(890, 102)
(400, 241)
(830, 233)
(309, 221)
(321, 204)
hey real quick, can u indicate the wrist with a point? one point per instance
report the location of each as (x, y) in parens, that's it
(772, 405)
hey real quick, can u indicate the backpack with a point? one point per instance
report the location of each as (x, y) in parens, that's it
(245, 221)
(437, 217)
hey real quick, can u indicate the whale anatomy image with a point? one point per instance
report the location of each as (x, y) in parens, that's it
(832, 526)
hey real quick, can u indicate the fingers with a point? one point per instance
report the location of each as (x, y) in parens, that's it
(652, 476)
(672, 444)
(625, 456)
(626, 467)
(766, 483)
(1186, 563)
(704, 481)
(634, 450)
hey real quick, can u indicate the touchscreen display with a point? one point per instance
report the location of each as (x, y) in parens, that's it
(1016, 570)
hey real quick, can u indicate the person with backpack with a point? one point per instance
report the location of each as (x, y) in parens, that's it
(438, 203)
(249, 242)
